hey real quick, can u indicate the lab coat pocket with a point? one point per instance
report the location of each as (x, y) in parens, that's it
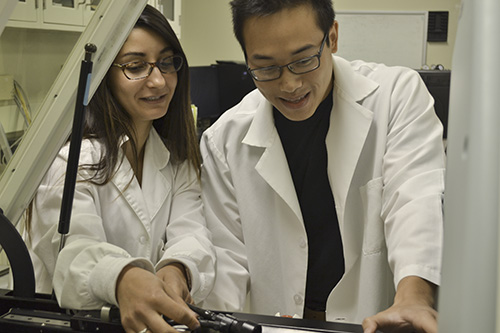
(373, 225)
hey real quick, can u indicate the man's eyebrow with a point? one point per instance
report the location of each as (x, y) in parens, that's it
(302, 49)
(298, 51)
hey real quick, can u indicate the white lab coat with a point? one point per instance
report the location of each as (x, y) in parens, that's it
(386, 171)
(120, 223)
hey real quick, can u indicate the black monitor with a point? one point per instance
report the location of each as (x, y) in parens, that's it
(205, 91)
(217, 88)
(234, 83)
(438, 84)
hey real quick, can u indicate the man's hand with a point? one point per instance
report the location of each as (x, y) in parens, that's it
(412, 311)
(144, 298)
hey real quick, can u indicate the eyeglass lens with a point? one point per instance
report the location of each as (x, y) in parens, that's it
(141, 69)
(298, 67)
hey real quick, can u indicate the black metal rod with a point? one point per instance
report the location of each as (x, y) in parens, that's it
(75, 144)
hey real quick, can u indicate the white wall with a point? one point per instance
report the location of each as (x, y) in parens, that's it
(207, 33)
(34, 58)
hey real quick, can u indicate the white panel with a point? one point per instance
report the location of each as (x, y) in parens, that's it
(468, 295)
(70, 13)
(392, 38)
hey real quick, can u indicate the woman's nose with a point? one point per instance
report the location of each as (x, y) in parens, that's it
(156, 78)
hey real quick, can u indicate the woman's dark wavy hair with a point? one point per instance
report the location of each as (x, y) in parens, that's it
(107, 120)
(242, 10)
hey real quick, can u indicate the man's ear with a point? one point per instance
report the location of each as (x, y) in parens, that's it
(334, 36)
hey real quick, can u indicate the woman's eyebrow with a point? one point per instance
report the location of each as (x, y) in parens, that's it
(166, 49)
(142, 54)
(136, 54)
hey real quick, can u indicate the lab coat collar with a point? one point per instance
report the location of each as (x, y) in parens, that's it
(351, 83)
(272, 166)
(161, 155)
(262, 132)
(155, 146)
(145, 200)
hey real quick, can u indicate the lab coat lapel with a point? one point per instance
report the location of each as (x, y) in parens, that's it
(131, 191)
(155, 186)
(145, 201)
(349, 126)
(272, 165)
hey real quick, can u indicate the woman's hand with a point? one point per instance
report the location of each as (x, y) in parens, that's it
(175, 276)
(144, 298)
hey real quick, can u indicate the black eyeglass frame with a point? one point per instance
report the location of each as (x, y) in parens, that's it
(290, 65)
(152, 65)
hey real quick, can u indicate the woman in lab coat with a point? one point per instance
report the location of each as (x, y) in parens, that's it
(137, 237)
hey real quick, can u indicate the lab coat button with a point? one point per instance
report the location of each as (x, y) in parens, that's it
(298, 299)
(143, 240)
(303, 243)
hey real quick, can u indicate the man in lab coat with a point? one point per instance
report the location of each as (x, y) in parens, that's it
(323, 188)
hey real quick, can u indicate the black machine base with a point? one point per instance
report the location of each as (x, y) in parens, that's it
(43, 315)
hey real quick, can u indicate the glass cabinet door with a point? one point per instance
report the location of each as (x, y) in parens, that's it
(63, 12)
(89, 10)
(26, 10)
(172, 11)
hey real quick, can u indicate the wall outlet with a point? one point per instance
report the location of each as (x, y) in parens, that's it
(6, 87)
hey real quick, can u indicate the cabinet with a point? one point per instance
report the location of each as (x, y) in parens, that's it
(70, 15)
(73, 15)
(172, 11)
(25, 11)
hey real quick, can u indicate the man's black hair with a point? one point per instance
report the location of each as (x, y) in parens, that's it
(242, 10)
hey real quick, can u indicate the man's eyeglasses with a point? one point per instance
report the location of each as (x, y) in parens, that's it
(301, 66)
(137, 70)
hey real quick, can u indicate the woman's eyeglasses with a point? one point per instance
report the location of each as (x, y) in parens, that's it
(137, 70)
